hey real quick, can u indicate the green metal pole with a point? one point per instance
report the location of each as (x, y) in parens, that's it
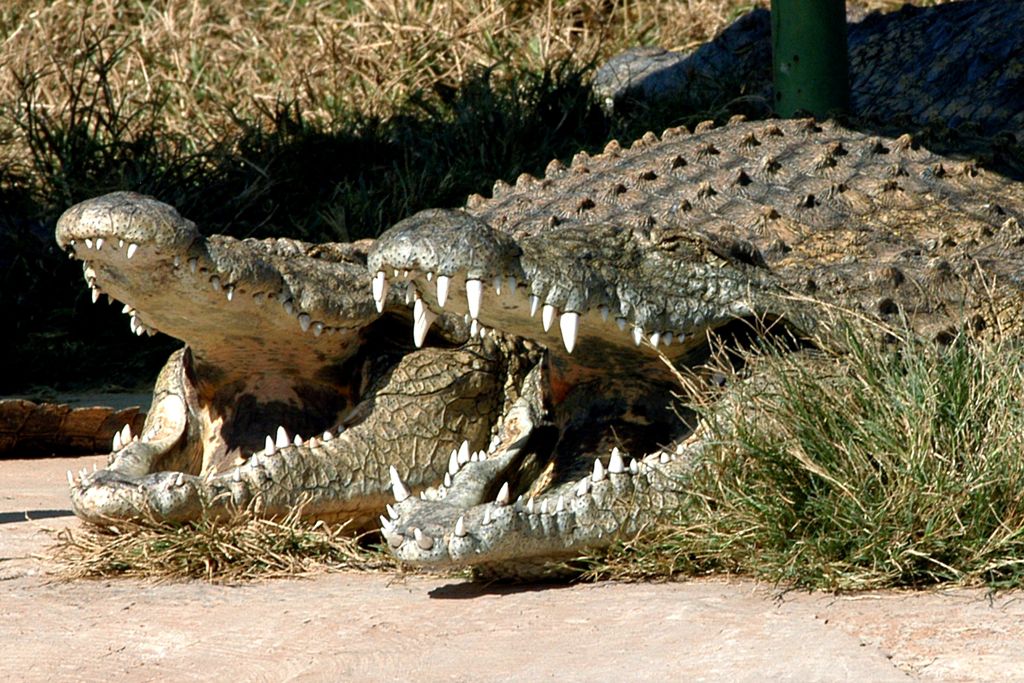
(809, 58)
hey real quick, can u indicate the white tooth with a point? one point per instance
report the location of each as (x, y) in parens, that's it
(598, 474)
(503, 497)
(474, 328)
(193, 265)
(422, 540)
(423, 318)
(481, 456)
(621, 322)
(127, 309)
(430, 275)
(215, 283)
(512, 284)
(655, 338)
(120, 244)
(447, 480)
(386, 524)
(473, 457)
(304, 321)
(327, 436)
(464, 453)
(547, 316)
(582, 488)
(133, 323)
(177, 261)
(442, 289)
(140, 330)
(397, 487)
(394, 273)
(117, 442)
(318, 329)
(237, 475)
(529, 506)
(460, 526)
(543, 507)
(664, 458)
(634, 466)
(453, 462)
(615, 464)
(487, 516)
(392, 512)
(380, 290)
(268, 447)
(681, 338)
(132, 248)
(126, 434)
(483, 331)
(282, 437)
(289, 306)
(180, 479)
(230, 292)
(534, 303)
(560, 505)
(99, 243)
(410, 293)
(88, 243)
(71, 479)
(95, 295)
(474, 296)
(638, 334)
(297, 440)
(603, 310)
(666, 339)
(497, 285)
(569, 322)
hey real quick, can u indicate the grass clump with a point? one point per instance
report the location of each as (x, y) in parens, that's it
(866, 463)
(240, 548)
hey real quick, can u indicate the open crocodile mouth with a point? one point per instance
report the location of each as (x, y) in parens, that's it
(591, 438)
(292, 388)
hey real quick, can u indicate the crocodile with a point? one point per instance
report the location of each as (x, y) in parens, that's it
(494, 382)
(957, 65)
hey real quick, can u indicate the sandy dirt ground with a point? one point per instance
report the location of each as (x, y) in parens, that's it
(373, 627)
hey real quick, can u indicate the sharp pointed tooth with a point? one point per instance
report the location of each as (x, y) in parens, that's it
(127, 309)
(423, 318)
(634, 466)
(460, 526)
(422, 540)
(474, 328)
(380, 290)
(621, 322)
(655, 339)
(534, 303)
(236, 475)
(411, 294)
(638, 334)
(547, 316)
(397, 487)
(215, 283)
(582, 488)
(116, 446)
(268, 447)
(487, 516)
(177, 261)
(666, 339)
(512, 284)
(474, 296)
(543, 507)
(392, 512)
(297, 441)
(453, 463)
(598, 474)
(229, 292)
(180, 479)
(473, 457)
(603, 310)
(569, 322)
(386, 524)
(282, 438)
(560, 505)
(99, 243)
(126, 434)
(289, 306)
(447, 480)
(664, 458)
(442, 289)
(120, 244)
(529, 506)
(132, 248)
(88, 243)
(616, 465)
(503, 496)
(95, 294)
(305, 321)
(71, 479)
(193, 265)
(430, 275)
(327, 436)
(497, 284)
(464, 453)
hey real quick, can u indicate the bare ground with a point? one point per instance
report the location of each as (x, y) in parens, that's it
(368, 627)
